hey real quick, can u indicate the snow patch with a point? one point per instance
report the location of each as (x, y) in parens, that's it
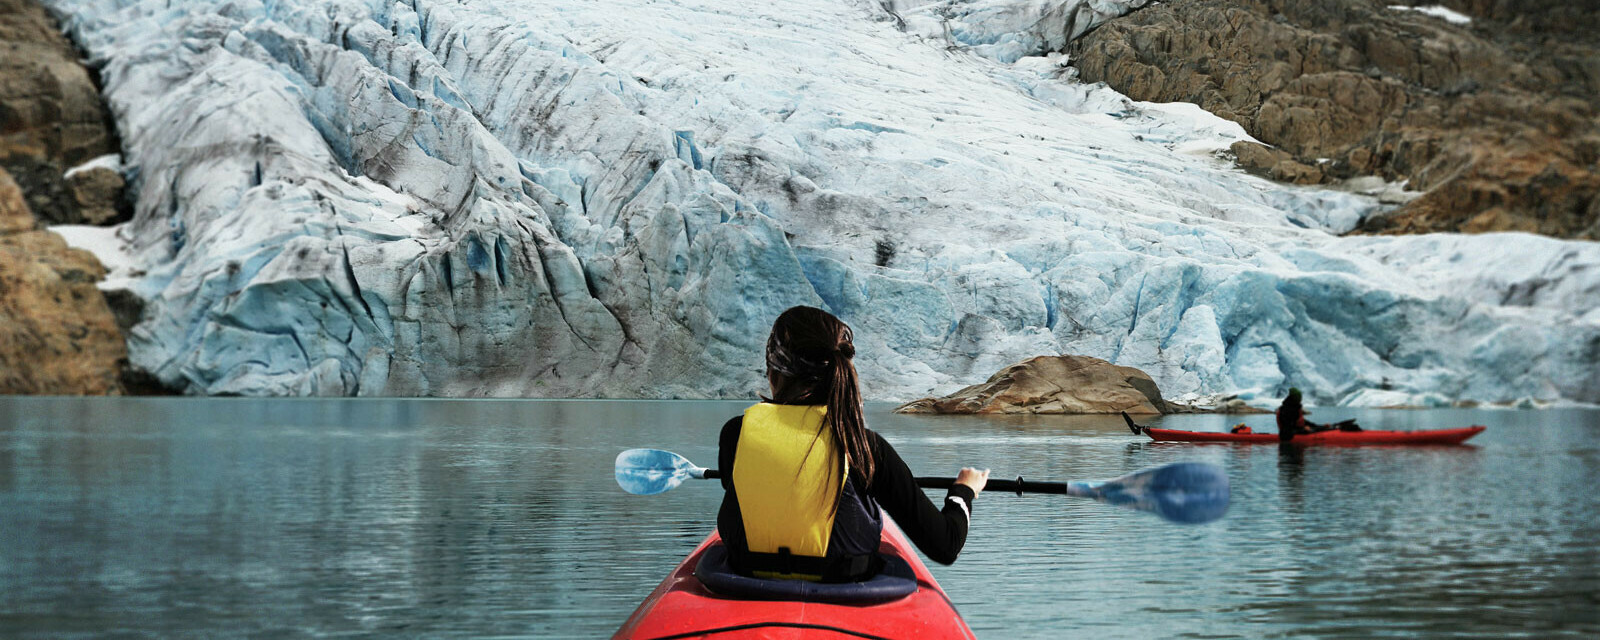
(110, 161)
(112, 251)
(1437, 11)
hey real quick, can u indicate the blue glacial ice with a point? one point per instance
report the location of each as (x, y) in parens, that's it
(514, 198)
(1006, 30)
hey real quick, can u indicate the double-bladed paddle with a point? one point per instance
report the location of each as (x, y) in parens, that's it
(1134, 426)
(1187, 492)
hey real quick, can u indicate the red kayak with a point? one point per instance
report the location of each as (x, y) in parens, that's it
(683, 607)
(1429, 436)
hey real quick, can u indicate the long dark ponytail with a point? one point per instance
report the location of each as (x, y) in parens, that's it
(810, 360)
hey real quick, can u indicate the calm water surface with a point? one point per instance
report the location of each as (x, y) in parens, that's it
(167, 518)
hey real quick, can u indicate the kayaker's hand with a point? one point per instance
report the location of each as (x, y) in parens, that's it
(974, 479)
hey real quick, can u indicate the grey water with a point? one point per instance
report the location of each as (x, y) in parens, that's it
(202, 518)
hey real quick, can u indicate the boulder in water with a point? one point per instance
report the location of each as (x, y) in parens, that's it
(1053, 385)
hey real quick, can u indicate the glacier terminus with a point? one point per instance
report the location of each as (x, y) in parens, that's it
(615, 198)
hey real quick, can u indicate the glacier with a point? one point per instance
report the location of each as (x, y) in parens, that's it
(615, 199)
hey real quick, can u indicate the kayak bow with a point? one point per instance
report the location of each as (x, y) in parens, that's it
(682, 607)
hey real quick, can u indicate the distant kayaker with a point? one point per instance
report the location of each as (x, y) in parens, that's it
(1292, 419)
(808, 476)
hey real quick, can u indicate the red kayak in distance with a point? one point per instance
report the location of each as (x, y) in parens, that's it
(1427, 436)
(683, 607)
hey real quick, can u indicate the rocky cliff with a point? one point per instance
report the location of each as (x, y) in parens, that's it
(57, 335)
(52, 119)
(1491, 112)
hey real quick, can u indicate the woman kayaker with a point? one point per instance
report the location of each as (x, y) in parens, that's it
(808, 476)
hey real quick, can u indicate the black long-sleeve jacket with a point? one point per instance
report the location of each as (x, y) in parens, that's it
(939, 533)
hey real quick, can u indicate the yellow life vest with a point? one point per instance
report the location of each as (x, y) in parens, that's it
(787, 480)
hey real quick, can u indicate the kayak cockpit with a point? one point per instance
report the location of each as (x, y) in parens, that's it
(684, 606)
(895, 581)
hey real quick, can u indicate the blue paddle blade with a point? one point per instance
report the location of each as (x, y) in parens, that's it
(646, 472)
(1186, 492)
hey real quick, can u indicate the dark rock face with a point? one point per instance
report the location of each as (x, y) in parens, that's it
(1497, 120)
(57, 336)
(51, 114)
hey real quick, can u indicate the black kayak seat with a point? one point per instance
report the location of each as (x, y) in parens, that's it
(895, 581)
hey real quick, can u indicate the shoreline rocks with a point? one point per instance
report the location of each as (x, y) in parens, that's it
(1496, 121)
(1055, 385)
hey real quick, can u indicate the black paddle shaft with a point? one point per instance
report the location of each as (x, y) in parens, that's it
(1019, 485)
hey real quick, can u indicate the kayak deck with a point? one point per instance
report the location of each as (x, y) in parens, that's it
(681, 607)
(1429, 436)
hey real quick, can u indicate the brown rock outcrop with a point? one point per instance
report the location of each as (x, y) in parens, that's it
(96, 195)
(1497, 121)
(57, 336)
(51, 114)
(1056, 385)
(1273, 163)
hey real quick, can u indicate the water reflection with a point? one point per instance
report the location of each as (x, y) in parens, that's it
(1291, 477)
(163, 517)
